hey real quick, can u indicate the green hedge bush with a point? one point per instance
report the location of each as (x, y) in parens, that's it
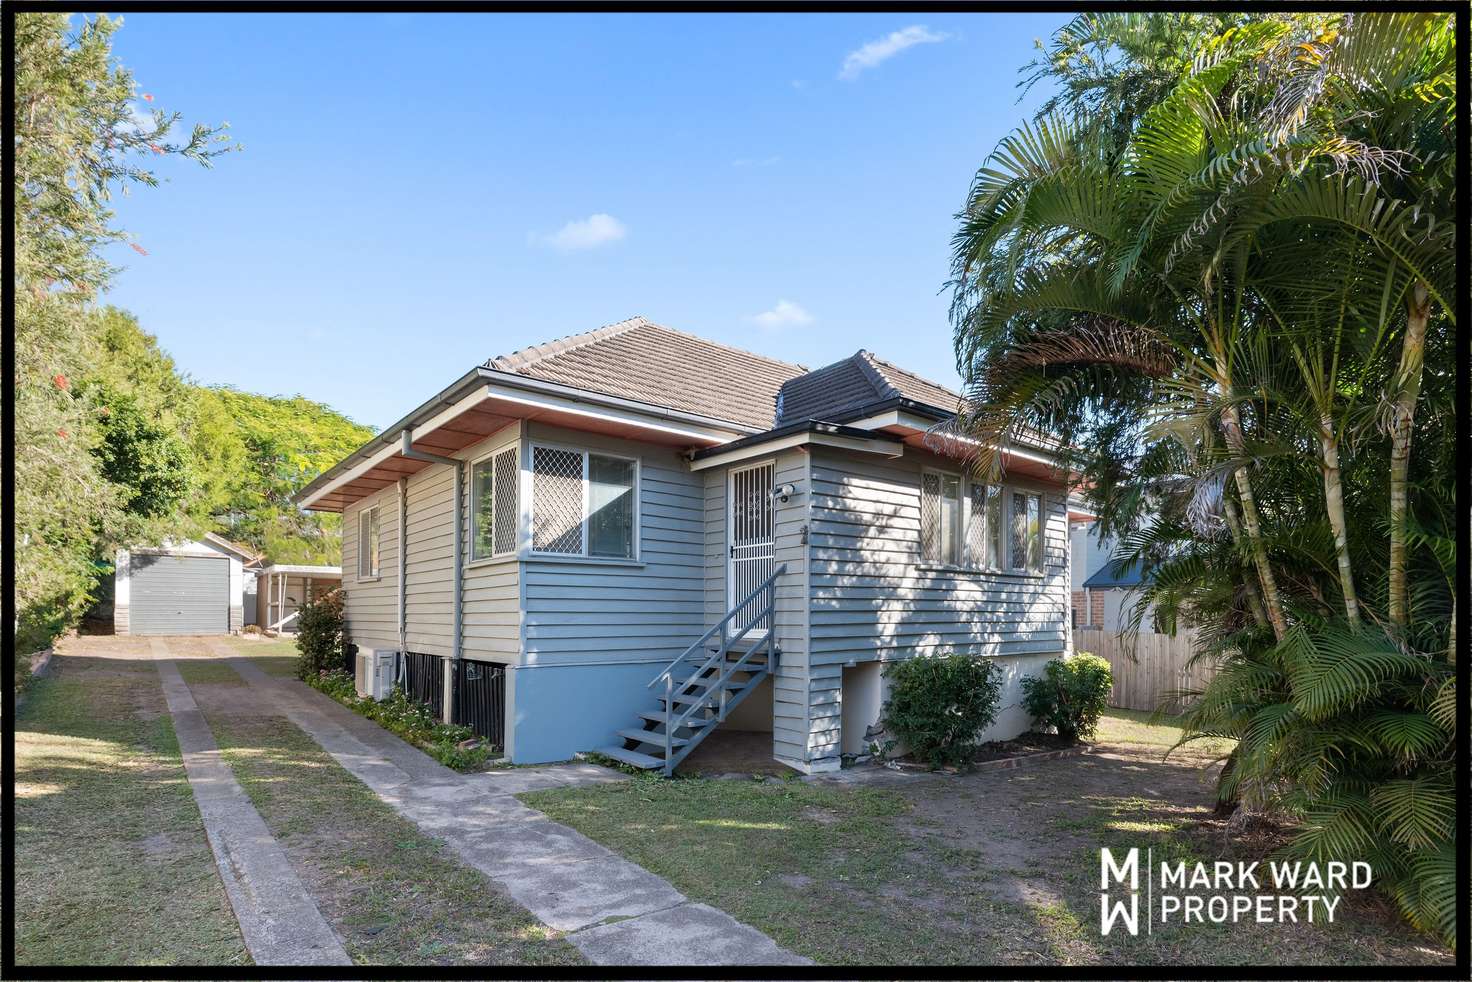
(939, 705)
(319, 636)
(1070, 695)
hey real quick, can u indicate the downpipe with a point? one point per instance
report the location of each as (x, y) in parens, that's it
(401, 662)
(406, 449)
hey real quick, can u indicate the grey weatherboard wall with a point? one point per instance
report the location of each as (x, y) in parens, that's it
(582, 638)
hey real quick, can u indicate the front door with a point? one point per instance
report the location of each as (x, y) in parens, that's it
(752, 527)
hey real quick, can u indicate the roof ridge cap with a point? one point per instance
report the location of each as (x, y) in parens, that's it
(882, 386)
(532, 354)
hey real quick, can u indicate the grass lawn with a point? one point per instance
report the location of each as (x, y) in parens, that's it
(991, 867)
(394, 895)
(274, 656)
(111, 862)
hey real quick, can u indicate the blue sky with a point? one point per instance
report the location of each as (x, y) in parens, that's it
(418, 193)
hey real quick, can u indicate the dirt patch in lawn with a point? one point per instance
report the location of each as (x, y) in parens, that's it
(394, 895)
(1027, 743)
(986, 867)
(111, 862)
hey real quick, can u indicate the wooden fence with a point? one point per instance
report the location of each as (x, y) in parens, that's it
(1150, 679)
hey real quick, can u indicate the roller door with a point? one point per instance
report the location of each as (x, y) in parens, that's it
(179, 595)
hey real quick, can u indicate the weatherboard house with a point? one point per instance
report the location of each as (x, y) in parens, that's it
(622, 540)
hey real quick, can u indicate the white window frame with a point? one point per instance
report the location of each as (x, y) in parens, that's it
(376, 571)
(1004, 535)
(470, 557)
(1008, 519)
(636, 544)
(997, 534)
(960, 530)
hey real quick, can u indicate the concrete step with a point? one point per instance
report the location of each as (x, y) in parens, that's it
(632, 757)
(652, 738)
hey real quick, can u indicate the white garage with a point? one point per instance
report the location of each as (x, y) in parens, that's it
(181, 588)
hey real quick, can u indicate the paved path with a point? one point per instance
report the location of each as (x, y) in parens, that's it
(279, 921)
(615, 912)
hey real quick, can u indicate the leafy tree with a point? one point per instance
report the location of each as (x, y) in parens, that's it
(77, 138)
(275, 445)
(1233, 299)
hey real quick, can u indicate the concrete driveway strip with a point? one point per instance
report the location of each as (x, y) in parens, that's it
(615, 912)
(278, 919)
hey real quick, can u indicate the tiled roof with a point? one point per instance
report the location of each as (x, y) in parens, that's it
(861, 379)
(826, 392)
(911, 386)
(647, 362)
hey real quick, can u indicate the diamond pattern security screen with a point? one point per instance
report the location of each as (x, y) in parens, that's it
(930, 517)
(984, 527)
(940, 518)
(557, 500)
(493, 508)
(1027, 532)
(506, 511)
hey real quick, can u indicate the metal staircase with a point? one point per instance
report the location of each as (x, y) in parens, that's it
(702, 685)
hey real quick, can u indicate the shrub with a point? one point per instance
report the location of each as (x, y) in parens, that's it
(319, 636)
(939, 705)
(411, 720)
(1070, 695)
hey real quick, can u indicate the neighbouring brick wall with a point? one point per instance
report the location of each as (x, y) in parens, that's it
(1096, 607)
(1080, 609)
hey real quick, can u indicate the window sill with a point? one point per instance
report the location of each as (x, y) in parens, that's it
(547, 557)
(369, 579)
(978, 571)
(509, 557)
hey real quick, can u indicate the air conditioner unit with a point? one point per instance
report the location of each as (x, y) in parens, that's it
(375, 672)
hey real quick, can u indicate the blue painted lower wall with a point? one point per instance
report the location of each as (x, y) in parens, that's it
(558, 711)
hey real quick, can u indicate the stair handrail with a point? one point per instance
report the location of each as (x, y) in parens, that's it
(720, 626)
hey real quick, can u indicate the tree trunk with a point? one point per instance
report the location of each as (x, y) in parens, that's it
(1234, 524)
(1232, 429)
(1408, 388)
(1334, 502)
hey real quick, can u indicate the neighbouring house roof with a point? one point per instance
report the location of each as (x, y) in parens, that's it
(1113, 574)
(246, 553)
(861, 380)
(639, 359)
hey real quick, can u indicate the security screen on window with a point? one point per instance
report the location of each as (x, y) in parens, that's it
(940, 518)
(493, 505)
(610, 507)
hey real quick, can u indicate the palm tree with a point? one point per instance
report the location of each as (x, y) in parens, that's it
(1213, 311)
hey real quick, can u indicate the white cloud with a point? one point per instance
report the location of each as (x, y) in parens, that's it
(585, 233)
(756, 161)
(876, 52)
(785, 314)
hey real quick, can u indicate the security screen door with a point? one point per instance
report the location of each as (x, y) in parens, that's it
(751, 521)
